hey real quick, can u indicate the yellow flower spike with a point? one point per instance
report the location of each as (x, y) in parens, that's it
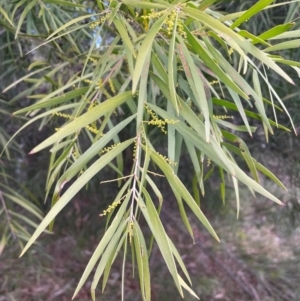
(93, 60)
(64, 115)
(134, 148)
(109, 148)
(111, 207)
(222, 117)
(100, 84)
(214, 82)
(166, 159)
(158, 122)
(106, 93)
(130, 232)
(87, 81)
(111, 85)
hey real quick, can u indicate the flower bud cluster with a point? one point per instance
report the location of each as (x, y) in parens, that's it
(109, 148)
(223, 117)
(153, 14)
(111, 85)
(111, 207)
(214, 82)
(169, 161)
(170, 20)
(115, 204)
(87, 81)
(101, 20)
(63, 115)
(130, 231)
(93, 60)
(134, 148)
(101, 87)
(93, 125)
(159, 122)
(91, 128)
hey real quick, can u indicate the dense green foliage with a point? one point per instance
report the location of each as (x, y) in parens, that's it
(147, 81)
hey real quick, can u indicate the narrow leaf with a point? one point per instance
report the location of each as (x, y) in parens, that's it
(84, 120)
(144, 50)
(74, 188)
(256, 8)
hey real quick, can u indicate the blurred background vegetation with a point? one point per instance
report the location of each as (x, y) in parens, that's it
(258, 258)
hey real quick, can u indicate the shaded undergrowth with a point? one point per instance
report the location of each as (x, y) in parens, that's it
(257, 259)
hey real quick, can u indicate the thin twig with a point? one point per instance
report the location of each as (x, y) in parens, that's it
(153, 173)
(113, 70)
(135, 174)
(117, 179)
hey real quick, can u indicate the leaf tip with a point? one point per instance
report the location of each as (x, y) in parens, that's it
(22, 253)
(296, 130)
(292, 82)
